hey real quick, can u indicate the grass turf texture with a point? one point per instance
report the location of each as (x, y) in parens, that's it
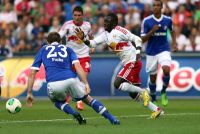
(181, 117)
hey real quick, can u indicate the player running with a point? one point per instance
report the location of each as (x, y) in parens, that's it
(119, 40)
(154, 30)
(72, 41)
(62, 80)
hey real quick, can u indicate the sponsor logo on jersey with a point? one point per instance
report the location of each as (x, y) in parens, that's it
(75, 39)
(160, 34)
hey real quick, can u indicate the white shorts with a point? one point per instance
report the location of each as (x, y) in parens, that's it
(164, 59)
(58, 90)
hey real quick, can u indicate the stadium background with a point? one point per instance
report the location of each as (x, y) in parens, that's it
(25, 24)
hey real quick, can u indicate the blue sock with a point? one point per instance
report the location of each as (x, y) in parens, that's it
(101, 109)
(152, 87)
(165, 83)
(65, 107)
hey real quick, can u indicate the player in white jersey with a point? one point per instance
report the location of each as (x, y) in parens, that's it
(62, 80)
(72, 41)
(119, 40)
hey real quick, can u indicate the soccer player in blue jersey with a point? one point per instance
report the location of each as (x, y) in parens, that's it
(58, 60)
(154, 30)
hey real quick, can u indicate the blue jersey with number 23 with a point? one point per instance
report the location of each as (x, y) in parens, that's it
(58, 60)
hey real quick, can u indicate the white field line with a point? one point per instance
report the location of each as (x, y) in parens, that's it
(91, 118)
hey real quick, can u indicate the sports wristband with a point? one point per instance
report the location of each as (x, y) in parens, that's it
(137, 51)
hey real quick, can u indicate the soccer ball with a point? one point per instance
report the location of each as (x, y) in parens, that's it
(13, 105)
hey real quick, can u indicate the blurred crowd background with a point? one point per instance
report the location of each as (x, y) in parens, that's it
(24, 24)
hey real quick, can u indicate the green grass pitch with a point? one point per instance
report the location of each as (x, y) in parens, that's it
(181, 117)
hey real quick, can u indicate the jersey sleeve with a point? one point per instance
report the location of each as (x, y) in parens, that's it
(89, 29)
(72, 55)
(98, 40)
(170, 24)
(128, 36)
(63, 30)
(144, 28)
(38, 60)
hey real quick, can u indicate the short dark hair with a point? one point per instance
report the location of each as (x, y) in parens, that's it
(114, 18)
(53, 37)
(160, 2)
(78, 8)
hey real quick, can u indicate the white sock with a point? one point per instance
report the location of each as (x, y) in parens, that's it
(152, 106)
(125, 86)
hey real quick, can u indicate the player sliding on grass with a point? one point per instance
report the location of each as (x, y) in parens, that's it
(119, 40)
(58, 60)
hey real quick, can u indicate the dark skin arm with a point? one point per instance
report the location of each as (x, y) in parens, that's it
(91, 37)
(138, 55)
(150, 33)
(153, 30)
(174, 44)
(80, 34)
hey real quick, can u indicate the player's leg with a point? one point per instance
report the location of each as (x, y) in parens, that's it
(151, 69)
(78, 92)
(165, 62)
(152, 87)
(57, 92)
(85, 63)
(65, 107)
(130, 74)
(166, 78)
(156, 111)
(67, 98)
(99, 108)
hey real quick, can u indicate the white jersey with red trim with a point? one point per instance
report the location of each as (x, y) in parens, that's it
(72, 41)
(119, 40)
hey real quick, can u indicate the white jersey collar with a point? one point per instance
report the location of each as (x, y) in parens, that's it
(161, 17)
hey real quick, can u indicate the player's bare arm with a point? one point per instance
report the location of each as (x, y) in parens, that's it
(80, 34)
(82, 75)
(150, 33)
(91, 37)
(29, 98)
(174, 44)
(138, 53)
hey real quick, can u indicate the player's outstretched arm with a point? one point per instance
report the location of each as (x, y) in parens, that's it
(80, 34)
(29, 98)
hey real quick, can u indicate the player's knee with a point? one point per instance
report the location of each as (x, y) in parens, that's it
(166, 73)
(117, 84)
(124, 86)
(166, 70)
(153, 80)
(87, 100)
